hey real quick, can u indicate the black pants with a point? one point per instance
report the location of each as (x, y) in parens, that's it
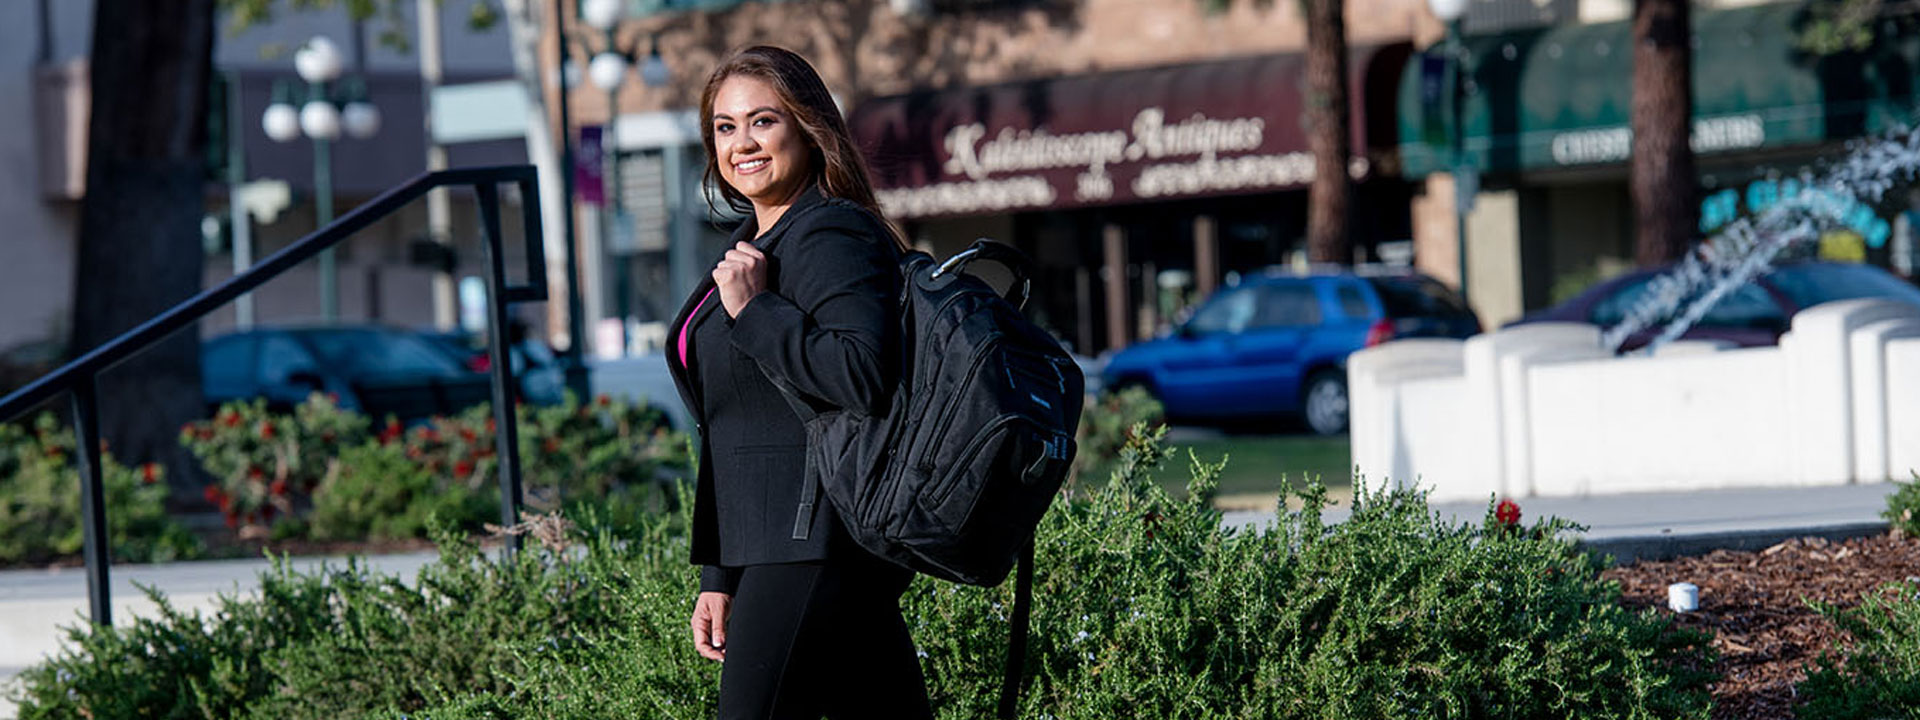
(811, 639)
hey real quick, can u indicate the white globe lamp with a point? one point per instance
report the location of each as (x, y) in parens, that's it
(601, 14)
(318, 61)
(281, 121)
(1447, 10)
(606, 70)
(653, 70)
(361, 119)
(320, 120)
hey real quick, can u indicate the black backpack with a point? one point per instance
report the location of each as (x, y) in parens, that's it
(975, 443)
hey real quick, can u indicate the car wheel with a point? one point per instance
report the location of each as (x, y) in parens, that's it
(1326, 403)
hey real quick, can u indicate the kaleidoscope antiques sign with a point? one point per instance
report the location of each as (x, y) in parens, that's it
(1196, 130)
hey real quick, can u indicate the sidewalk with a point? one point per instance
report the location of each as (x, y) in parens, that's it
(35, 603)
(1663, 525)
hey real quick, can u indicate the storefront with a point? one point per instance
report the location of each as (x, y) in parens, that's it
(1546, 125)
(1135, 191)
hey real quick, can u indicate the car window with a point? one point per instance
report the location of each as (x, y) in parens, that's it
(226, 366)
(1287, 305)
(359, 353)
(1810, 285)
(1229, 312)
(280, 358)
(1352, 303)
(1748, 307)
(1417, 296)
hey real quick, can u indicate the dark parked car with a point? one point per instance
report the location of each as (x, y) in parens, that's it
(1755, 314)
(1277, 344)
(374, 370)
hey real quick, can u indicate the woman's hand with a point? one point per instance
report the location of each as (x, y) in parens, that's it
(741, 275)
(710, 613)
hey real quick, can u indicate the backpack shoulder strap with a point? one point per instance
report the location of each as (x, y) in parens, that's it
(1017, 635)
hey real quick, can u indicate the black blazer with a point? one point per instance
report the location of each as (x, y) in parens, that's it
(824, 325)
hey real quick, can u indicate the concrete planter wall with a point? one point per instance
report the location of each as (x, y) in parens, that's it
(1542, 410)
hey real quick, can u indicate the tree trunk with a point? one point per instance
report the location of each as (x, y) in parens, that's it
(1663, 177)
(140, 249)
(1327, 133)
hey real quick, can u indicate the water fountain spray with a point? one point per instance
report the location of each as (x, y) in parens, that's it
(1748, 247)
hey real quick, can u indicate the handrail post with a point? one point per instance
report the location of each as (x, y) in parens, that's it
(507, 440)
(93, 510)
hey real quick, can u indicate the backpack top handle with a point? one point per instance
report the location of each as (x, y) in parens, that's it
(1002, 254)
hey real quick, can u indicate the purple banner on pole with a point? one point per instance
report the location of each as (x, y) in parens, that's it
(589, 163)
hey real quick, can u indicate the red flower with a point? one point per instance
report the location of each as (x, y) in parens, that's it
(1507, 513)
(327, 436)
(278, 488)
(552, 445)
(254, 473)
(603, 400)
(467, 434)
(149, 473)
(333, 398)
(490, 427)
(214, 493)
(266, 430)
(463, 467)
(229, 418)
(233, 521)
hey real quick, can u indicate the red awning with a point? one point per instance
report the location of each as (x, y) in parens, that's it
(1202, 129)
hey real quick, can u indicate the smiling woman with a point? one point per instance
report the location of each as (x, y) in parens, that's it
(802, 306)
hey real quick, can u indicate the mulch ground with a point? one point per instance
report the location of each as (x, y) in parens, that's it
(1755, 604)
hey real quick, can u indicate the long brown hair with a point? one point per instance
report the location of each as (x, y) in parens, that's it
(835, 164)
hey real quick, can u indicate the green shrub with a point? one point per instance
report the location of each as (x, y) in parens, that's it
(1144, 607)
(1879, 677)
(267, 465)
(273, 470)
(1903, 507)
(1107, 424)
(378, 493)
(40, 501)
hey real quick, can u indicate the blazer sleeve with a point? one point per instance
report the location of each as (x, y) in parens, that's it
(714, 578)
(826, 328)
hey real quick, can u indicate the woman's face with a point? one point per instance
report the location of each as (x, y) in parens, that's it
(758, 147)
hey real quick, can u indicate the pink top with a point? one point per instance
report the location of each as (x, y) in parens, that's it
(684, 326)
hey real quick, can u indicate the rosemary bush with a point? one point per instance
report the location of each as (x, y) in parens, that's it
(1144, 607)
(1879, 676)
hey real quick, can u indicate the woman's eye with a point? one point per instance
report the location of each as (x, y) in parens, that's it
(723, 128)
(762, 121)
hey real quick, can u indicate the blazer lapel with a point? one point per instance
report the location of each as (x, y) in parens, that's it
(695, 311)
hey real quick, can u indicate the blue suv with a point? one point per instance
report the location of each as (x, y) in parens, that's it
(1276, 344)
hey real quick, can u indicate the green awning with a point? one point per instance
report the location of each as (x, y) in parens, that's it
(1560, 97)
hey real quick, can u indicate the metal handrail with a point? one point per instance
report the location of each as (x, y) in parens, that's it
(79, 377)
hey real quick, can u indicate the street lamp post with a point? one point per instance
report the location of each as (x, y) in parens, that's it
(322, 119)
(1465, 178)
(607, 70)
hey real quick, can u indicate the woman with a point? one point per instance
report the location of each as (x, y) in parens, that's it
(807, 623)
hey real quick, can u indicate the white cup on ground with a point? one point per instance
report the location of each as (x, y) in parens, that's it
(1683, 597)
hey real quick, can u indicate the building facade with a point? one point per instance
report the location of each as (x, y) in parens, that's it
(1141, 151)
(44, 66)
